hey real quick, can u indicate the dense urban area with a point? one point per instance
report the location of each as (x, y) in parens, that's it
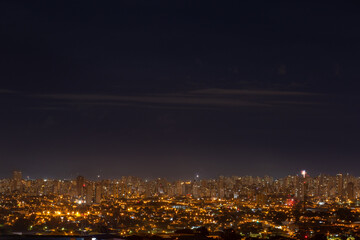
(298, 207)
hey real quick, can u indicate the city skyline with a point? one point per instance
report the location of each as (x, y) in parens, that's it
(299, 187)
(190, 177)
(294, 207)
(18, 174)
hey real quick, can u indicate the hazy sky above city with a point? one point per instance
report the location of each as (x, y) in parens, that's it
(174, 88)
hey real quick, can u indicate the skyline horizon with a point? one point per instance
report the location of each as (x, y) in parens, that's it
(196, 175)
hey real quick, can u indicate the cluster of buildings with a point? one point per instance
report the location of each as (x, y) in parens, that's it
(341, 187)
(261, 206)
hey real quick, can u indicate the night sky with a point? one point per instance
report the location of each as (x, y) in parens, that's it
(175, 88)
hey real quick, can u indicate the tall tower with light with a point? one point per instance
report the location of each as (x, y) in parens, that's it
(304, 188)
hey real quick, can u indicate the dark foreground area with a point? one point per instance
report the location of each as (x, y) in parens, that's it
(224, 236)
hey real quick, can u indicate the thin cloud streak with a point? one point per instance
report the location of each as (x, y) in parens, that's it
(164, 99)
(7, 91)
(212, 98)
(221, 91)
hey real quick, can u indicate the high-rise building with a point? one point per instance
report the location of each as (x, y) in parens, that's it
(89, 193)
(16, 181)
(98, 189)
(178, 188)
(350, 191)
(80, 186)
(17, 175)
(339, 184)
